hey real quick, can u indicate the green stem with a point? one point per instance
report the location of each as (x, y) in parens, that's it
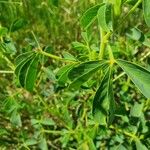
(102, 45)
(119, 76)
(57, 132)
(55, 57)
(132, 10)
(111, 56)
(129, 13)
(145, 56)
(132, 135)
(50, 55)
(39, 47)
(40, 51)
(89, 52)
(11, 65)
(6, 72)
(51, 131)
(104, 40)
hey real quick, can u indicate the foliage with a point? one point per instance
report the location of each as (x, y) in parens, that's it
(75, 74)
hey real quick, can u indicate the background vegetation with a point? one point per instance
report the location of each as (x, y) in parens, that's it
(53, 116)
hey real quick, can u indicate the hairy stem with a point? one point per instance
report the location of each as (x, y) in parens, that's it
(104, 40)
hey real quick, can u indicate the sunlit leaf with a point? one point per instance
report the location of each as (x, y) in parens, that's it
(140, 146)
(3, 31)
(89, 16)
(43, 144)
(78, 46)
(139, 75)
(68, 56)
(47, 121)
(104, 16)
(31, 141)
(136, 110)
(135, 34)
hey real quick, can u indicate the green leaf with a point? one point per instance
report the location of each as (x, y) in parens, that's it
(3, 132)
(26, 70)
(21, 60)
(68, 56)
(146, 9)
(84, 71)
(31, 141)
(91, 144)
(140, 146)
(47, 121)
(118, 147)
(103, 103)
(10, 105)
(55, 2)
(78, 46)
(136, 110)
(135, 34)
(15, 119)
(8, 46)
(62, 74)
(3, 31)
(139, 75)
(23, 56)
(89, 16)
(64, 140)
(138, 35)
(146, 41)
(23, 71)
(43, 144)
(18, 24)
(31, 74)
(131, 2)
(86, 36)
(104, 16)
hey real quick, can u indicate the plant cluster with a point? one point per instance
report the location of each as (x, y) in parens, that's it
(75, 79)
